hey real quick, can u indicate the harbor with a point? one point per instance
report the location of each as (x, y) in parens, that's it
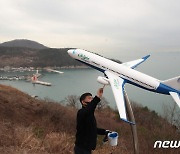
(10, 78)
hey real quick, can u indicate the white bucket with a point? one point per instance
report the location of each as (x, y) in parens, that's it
(113, 138)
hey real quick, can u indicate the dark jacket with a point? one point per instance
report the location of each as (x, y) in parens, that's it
(87, 130)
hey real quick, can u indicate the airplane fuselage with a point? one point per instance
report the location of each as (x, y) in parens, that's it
(131, 76)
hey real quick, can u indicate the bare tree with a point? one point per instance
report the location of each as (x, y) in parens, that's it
(102, 104)
(172, 115)
(72, 100)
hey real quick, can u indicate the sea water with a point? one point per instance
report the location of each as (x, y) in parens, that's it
(161, 65)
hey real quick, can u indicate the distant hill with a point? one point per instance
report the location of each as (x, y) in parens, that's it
(28, 57)
(27, 53)
(23, 43)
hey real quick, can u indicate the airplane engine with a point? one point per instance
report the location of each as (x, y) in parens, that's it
(103, 80)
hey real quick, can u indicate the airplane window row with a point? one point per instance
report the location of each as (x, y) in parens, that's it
(124, 75)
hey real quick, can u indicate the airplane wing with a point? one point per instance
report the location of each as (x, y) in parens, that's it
(117, 85)
(133, 64)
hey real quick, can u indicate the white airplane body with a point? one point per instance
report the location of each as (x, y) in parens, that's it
(118, 74)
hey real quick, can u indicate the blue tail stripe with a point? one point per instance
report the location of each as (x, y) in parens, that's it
(146, 57)
(164, 89)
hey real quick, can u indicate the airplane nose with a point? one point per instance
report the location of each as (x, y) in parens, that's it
(72, 52)
(69, 51)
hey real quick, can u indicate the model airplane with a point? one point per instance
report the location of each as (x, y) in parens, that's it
(35, 80)
(118, 74)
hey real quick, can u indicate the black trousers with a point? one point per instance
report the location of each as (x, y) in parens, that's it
(78, 150)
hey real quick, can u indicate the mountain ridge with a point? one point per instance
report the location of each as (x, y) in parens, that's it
(23, 43)
(27, 53)
(29, 57)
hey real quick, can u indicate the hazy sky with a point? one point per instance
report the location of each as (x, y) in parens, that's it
(95, 25)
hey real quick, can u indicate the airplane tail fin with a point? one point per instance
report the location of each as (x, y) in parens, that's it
(173, 82)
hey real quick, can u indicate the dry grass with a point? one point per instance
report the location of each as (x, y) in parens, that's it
(30, 126)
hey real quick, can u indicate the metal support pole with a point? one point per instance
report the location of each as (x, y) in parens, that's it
(133, 127)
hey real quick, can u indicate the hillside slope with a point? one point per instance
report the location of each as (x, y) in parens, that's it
(28, 57)
(28, 125)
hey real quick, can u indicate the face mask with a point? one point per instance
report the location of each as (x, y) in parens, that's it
(85, 104)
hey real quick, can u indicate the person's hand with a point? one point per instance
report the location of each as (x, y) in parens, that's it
(106, 136)
(108, 131)
(100, 92)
